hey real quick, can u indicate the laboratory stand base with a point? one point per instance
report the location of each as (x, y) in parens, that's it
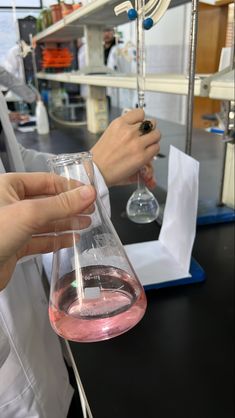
(197, 275)
(209, 213)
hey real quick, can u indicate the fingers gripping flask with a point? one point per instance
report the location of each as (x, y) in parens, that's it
(95, 294)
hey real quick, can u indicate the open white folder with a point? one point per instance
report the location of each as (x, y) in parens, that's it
(168, 258)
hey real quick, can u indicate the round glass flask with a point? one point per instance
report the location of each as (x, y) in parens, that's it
(95, 294)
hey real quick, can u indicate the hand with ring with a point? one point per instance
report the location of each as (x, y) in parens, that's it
(123, 150)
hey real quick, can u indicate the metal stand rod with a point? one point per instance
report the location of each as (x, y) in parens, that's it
(34, 62)
(225, 110)
(192, 62)
(228, 135)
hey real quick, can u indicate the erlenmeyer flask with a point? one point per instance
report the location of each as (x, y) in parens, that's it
(95, 294)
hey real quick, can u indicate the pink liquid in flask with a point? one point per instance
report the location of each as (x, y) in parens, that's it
(110, 302)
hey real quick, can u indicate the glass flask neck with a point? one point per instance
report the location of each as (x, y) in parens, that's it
(78, 166)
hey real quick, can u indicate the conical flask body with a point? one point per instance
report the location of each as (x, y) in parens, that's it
(95, 294)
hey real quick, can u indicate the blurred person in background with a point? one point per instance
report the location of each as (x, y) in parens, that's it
(13, 62)
(109, 40)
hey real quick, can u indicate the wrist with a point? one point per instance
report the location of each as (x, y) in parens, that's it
(6, 271)
(102, 170)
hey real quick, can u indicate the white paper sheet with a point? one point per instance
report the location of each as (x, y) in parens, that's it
(168, 258)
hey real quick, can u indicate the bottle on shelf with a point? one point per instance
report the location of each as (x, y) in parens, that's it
(42, 122)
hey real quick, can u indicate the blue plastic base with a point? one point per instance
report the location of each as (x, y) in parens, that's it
(210, 213)
(197, 272)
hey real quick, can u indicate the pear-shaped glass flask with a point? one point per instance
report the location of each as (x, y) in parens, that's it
(95, 294)
(142, 206)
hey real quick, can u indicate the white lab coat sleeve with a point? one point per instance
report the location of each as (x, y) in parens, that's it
(12, 62)
(17, 86)
(102, 190)
(35, 160)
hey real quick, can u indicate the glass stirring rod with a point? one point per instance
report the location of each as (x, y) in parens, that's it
(142, 207)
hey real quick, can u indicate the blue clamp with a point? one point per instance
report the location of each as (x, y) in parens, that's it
(132, 14)
(147, 23)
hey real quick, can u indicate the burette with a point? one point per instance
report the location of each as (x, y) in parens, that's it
(142, 206)
(153, 11)
(140, 54)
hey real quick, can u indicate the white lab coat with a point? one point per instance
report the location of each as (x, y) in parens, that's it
(33, 377)
(9, 82)
(82, 64)
(13, 63)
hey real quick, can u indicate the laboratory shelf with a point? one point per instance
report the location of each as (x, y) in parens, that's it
(222, 87)
(96, 13)
(99, 13)
(59, 32)
(167, 83)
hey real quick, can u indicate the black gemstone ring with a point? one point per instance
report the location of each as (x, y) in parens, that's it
(145, 127)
